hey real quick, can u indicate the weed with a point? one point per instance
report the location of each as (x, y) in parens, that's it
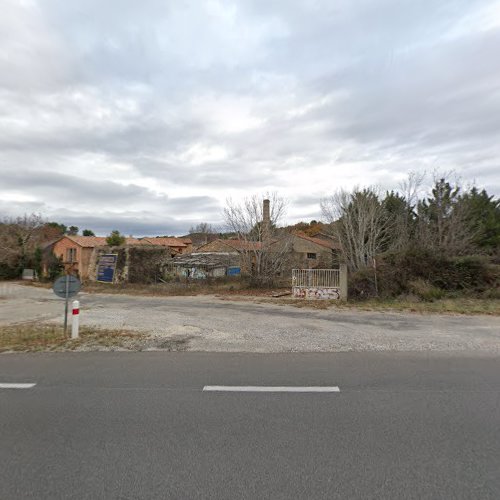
(30, 337)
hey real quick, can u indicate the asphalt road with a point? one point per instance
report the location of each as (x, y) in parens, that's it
(138, 425)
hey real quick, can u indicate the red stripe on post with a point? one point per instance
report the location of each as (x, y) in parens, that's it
(76, 311)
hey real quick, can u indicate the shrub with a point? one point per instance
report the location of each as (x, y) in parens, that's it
(469, 272)
(426, 275)
(8, 272)
(362, 284)
(55, 267)
(146, 264)
(425, 290)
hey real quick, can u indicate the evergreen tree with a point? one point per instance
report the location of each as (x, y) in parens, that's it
(115, 239)
(482, 213)
(442, 221)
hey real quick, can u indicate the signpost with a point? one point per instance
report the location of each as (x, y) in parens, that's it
(106, 267)
(66, 287)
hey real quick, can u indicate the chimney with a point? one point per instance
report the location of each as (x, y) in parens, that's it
(266, 220)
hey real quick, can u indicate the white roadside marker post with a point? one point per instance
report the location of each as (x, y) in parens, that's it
(75, 319)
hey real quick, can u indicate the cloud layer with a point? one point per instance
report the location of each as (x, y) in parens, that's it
(146, 116)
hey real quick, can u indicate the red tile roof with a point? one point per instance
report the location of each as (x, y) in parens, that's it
(167, 242)
(99, 241)
(324, 243)
(87, 241)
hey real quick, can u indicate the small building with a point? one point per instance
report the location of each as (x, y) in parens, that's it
(206, 265)
(307, 252)
(76, 252)
(299, 251)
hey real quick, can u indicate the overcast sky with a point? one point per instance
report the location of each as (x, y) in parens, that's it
(147, 115)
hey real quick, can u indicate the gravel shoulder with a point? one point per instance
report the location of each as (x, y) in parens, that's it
(207, 323)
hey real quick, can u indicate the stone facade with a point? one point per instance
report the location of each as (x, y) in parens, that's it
(311, 253)
(135, 264)
(77, 252)
(76, 258)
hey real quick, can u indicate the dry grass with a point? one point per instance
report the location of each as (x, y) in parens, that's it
(163, 289)
(468, 306)
(442, 306)
(237, 287)
(41, 337)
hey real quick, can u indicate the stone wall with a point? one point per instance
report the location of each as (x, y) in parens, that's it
(135, 264)
(315, 293)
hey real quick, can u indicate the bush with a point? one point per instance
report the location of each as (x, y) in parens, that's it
(362, 284)
(8, 272)
(55, 267)
(146, 264)
(426, 275)
(425, 290)
(471, 272)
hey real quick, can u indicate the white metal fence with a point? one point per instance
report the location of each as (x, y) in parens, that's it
(316, 278)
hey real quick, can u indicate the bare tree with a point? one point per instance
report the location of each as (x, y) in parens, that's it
(202, 233)
(360, 223)
(19, 238)
(203, 228)
(411, 186)
(402, 207)
(263, 248)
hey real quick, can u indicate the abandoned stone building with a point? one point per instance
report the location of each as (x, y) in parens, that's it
(302, 252)
(78, 253)
(204, 265)
(216, 258)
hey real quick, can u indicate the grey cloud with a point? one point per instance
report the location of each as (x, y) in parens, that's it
(144, 224)
(58, 187)
(71, 191)
(352, 92)
(138, 224)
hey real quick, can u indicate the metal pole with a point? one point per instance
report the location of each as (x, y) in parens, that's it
(66, 305)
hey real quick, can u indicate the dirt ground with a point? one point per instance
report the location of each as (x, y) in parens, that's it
(210, 323)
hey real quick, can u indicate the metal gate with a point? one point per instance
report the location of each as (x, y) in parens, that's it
(316, 283)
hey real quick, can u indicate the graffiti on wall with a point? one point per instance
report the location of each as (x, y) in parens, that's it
(316, 293)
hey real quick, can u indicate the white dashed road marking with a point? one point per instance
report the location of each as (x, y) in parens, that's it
(252, 388)
(16, 386)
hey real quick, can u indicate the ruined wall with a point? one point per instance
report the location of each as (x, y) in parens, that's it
(147, 264)
(316, 293)
(86, 256)
(299, 259)
(121, 270)
(135, 263)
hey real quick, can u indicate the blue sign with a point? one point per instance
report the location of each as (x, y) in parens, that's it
(106, 267)
(233, 271)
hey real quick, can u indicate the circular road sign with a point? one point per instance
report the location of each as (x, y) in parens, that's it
(74, 286)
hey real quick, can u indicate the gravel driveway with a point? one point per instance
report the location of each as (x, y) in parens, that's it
(207, 323)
